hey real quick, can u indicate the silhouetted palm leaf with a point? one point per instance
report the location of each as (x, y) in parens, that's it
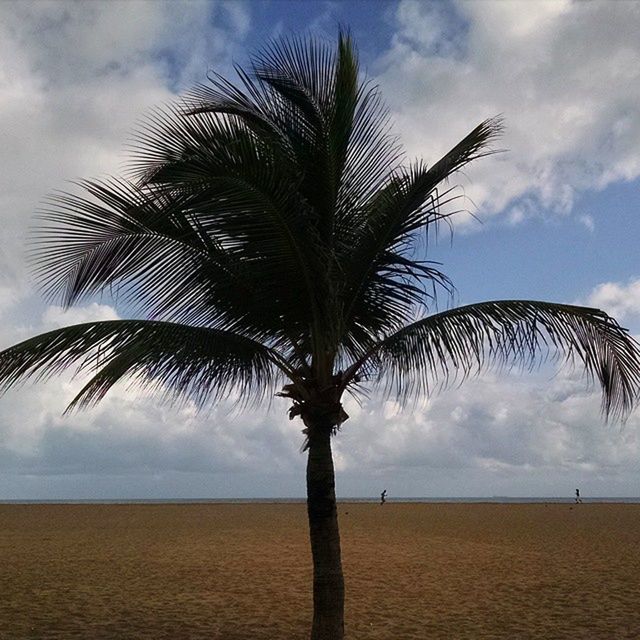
(449, 346)
(201, 364)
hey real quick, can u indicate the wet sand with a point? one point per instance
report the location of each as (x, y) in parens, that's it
(242, 572)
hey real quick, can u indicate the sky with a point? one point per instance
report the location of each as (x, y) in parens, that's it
(554, 217)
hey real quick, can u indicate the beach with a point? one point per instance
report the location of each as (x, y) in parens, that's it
(243, 571)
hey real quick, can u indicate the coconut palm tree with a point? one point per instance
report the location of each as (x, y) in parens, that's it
(269, 233)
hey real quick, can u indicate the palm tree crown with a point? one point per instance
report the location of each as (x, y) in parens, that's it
(270, 231)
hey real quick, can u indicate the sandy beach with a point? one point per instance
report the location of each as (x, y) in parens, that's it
(240, 572)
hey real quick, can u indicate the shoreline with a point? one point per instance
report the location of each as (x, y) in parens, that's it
(343, 501)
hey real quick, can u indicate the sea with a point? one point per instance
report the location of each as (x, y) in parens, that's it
(425, 500)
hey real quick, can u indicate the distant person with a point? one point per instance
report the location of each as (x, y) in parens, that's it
(578, 498)
(383, 497)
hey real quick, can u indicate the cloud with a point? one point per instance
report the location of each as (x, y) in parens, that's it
(55, 317)
(588, 222)
(622, 301)
(493, 435)
(93, 41)
(565, 75)
(77, 76)
(502, 434)
(131, 431)
(497, 434)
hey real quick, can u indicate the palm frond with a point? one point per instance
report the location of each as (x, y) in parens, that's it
(378, 252)
(197, 257)
(451, 345)
(308, 103)
(183, 362)
(85, 244)
(410, 201)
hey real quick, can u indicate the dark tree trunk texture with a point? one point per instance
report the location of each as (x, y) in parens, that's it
(328, 581)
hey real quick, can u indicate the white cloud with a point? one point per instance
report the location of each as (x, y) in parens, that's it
(130, 431)
(76, 77)
(622, 301)
(55, 317)
(495, 434)
(565, 75)
(588, 222)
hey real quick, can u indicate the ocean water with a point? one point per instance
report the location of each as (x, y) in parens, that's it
(426, 500)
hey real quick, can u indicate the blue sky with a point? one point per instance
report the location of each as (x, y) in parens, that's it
(559, 211)
(549, 256)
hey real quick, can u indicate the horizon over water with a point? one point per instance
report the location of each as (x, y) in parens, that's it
(301, 500)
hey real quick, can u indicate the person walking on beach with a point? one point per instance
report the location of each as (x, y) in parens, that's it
(578, 498)
(383, 497)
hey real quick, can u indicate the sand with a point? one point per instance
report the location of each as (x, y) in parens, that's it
(242, 572)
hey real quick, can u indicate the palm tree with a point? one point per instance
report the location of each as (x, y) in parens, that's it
(269, 232)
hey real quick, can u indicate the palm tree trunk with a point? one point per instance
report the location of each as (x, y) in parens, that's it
(328, 581)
